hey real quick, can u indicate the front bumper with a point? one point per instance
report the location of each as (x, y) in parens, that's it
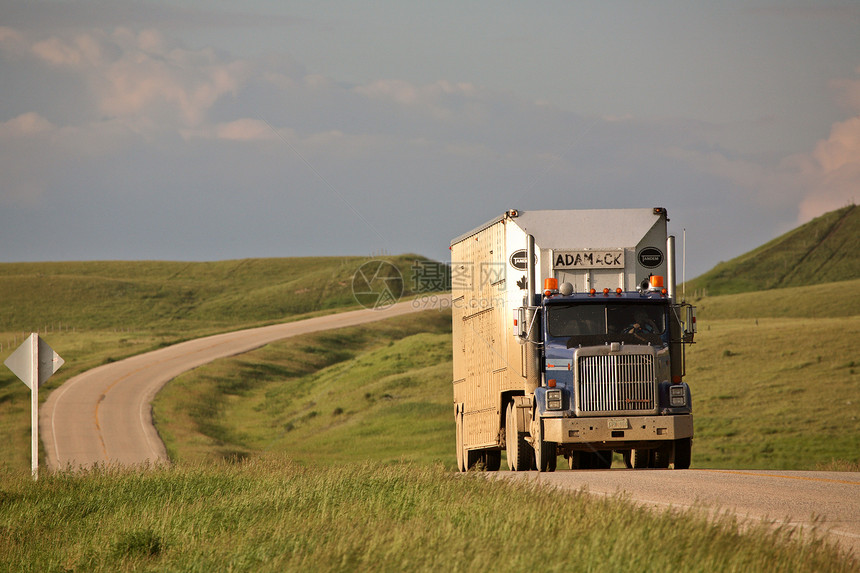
(620, 430)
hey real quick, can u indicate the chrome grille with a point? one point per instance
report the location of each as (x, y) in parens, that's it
(616, 383)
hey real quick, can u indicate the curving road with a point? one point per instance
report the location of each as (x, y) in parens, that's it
(103, 416)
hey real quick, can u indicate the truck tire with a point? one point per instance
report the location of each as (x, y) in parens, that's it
(546, 455)
(466, 459)
(663, 456)
(461, 452)
(472, 457)
(683, 453)
(519, 452)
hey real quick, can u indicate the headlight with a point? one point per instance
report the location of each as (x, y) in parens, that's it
(553, 400)
(677, 396)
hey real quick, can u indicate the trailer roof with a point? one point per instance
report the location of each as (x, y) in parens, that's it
(598, 228)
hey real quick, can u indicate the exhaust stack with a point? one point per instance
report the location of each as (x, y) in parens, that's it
(670, 254)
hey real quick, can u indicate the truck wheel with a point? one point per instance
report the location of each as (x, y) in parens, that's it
(472, 458)
(662, 456)
(518, 450)
(683, 453)
(545, 452)
(458, 423)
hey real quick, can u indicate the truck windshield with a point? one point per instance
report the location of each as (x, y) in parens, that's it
(597, 323)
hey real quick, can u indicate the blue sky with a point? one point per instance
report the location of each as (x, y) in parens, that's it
(218, 130)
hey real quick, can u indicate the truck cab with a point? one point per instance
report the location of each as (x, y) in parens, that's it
(608, 382)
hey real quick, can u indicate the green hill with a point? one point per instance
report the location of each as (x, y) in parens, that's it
(822, 251)
(188, 295)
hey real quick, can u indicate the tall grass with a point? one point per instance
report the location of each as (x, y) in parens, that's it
(274, 515)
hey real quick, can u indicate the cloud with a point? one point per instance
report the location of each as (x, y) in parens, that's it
(170, 82)
(25, 125)
(244, 130)
(240, 130)
(443, 100)
(83, 50)
(12, 42)
(139, 74)
(833, 170)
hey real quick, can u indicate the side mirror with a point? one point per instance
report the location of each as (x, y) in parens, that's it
(521, 324)
(525, 322)
(690, 326)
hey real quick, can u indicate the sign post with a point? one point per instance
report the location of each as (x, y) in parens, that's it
(34, 362)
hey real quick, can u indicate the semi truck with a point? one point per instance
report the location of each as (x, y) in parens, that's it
(590, 363)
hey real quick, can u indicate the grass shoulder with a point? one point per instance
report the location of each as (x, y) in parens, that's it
(272, 514)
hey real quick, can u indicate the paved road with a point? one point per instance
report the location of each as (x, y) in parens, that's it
(103, 416)
(791, 497)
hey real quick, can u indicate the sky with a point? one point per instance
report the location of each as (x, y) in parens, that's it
(212, 130)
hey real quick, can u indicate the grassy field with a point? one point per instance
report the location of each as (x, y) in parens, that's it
(777, 393)
(271, 514)
(775, 377)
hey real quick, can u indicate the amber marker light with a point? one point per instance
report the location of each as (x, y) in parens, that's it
(551, 382)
